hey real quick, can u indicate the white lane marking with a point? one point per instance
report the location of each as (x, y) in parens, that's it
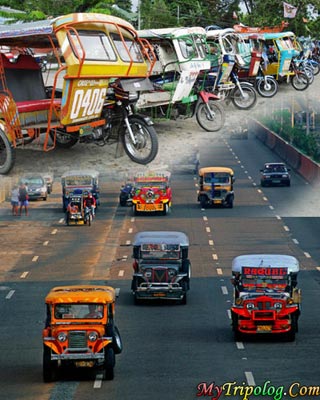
(278, 217)
(245, 172)
(254, 184)
(211, 242)
(54, 231)
(286, 228)
(208, 229)
(265, 198)
(271, 207)
(295, 241)
(215, 256)
(46, 243)
(250, 378)
(240, 345)
(229, 314)
(224, 289)
(259, 190)
(98, 382)
(35, 258)
(130, 230)
(10, 294)
(128, 242)
(124, 258)
(117, 290)
(307, 254)
(61, 221)
(318, 268)
(121, 272)
(132, 219)
(250, 177)
(219, 271)
(24, 274)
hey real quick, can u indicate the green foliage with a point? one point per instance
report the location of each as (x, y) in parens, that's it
(281, 124)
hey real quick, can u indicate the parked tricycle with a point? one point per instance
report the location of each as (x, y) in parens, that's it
(77, 104)
(223, 78)
(181, 54)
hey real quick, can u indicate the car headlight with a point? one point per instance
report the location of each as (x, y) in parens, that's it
(62, 337)
(277, 306)
(250, 306)
(267, 177)
(92, 336)
(284, 176)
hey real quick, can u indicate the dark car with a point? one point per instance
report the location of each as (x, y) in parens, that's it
(275, 174)
(36, 187)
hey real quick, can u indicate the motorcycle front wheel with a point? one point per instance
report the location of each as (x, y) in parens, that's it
(267, 86)
(145, 148)
(300, 81)
(246, 100)
(214, 122)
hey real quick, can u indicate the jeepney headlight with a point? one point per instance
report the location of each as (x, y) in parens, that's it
(62, 337)
(277, 306)
(147, 274)
(92, 336)
(143, 196)
(250, 306)
(290, 301)
(172, 272)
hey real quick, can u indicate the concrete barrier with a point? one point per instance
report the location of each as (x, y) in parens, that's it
(304, 165)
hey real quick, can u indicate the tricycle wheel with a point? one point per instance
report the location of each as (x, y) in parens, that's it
(145, 148)
(64, 140)
(210, 116)
(300, 81)
(7, 153)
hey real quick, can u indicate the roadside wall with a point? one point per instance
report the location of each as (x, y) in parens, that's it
(6, 184)
(306, 167)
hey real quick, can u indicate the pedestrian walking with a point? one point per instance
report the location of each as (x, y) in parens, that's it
(15, 200)
(23, 198)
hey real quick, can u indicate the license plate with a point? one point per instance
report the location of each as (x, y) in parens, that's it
(276, 181)
(159, 294)
(217, 201)
(84, 364)
(264, 328)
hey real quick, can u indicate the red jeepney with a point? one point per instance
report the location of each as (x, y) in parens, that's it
(266, 297)
(152, 192)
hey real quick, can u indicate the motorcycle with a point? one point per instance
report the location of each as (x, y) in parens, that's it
(88, 216)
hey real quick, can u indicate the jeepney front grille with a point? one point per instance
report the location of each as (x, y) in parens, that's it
(263, 315)
(160, 275)
(77, 340)
(264, 305)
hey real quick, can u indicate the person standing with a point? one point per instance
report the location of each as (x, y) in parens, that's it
(23, 198)
(15, 200)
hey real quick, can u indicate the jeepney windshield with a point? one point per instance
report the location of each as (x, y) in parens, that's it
(93, 45)
(78, 311)
(78, 180)
(160, 251)
(151, 184)
(276, 283)
(217, 177)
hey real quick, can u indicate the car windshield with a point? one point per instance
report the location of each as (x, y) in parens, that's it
(33, 181)
(160, 251)
(275, 168)
(78, 311)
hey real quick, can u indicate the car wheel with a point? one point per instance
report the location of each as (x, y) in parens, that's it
(288, 183)
(262, 184)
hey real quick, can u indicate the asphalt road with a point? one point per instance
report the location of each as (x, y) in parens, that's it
(169, 350)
